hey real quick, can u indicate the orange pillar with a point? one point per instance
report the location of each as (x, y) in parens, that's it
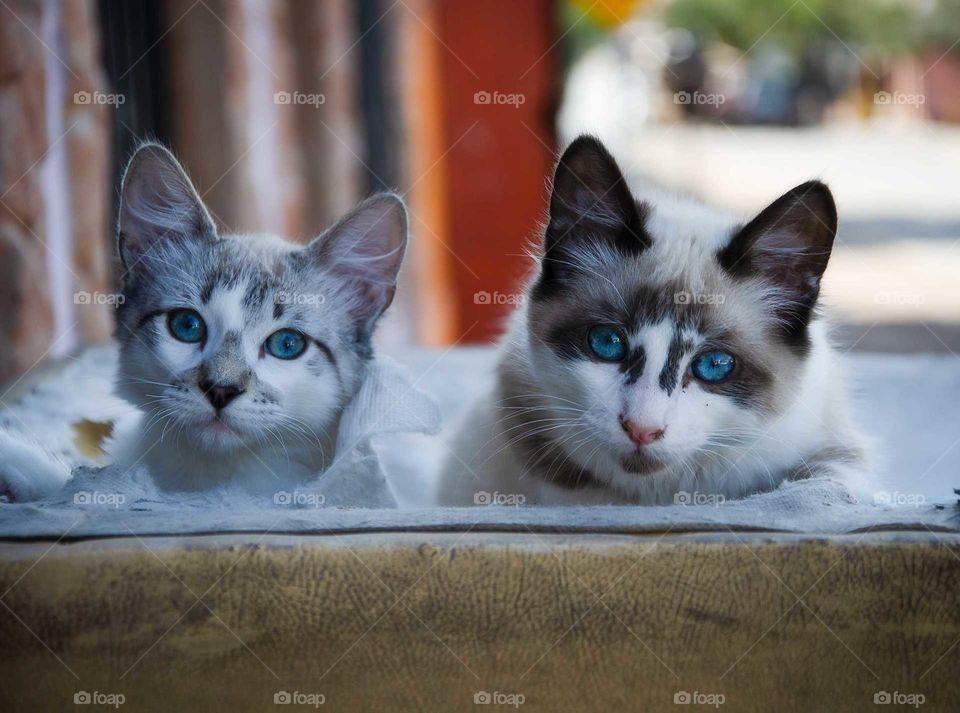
(499, 92)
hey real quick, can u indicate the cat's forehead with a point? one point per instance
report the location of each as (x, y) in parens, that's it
(249, 277)
(685, 239)
(678, 290)
(678, 276)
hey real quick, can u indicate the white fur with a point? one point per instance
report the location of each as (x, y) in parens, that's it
(711, 445)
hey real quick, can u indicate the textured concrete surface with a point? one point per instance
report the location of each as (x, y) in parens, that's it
(430, 622)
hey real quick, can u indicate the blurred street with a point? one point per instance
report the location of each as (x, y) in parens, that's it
(892, 280)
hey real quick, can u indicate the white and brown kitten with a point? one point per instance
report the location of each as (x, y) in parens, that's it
(240, 351)
(662, 348)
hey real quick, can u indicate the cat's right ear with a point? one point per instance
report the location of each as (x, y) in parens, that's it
(591, 202)
(788, 246)
(157, 202)
(366, 247)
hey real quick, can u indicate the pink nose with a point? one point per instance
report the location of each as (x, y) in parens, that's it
(641, 435)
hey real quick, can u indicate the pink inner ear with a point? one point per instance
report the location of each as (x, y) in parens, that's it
(158, 201)
(371, 280)
(367, 248)
(368, 255)
(589, 189)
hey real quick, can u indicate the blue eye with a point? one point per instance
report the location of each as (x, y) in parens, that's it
(186, 325)
(713, 367)
(286, 344)
(607, 343)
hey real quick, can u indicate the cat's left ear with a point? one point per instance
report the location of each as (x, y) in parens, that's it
(590, 202)
(788, 245)
(366, 247)
(158, 203)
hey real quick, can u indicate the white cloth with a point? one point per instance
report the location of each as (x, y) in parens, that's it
(386, 403)
(389, 405)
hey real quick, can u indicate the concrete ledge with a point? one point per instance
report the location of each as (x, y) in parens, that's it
(424, 621)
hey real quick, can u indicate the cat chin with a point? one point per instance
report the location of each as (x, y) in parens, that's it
(641, 463)
(217, 436)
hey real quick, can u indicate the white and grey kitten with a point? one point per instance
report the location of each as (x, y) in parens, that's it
(240, 351)
(663, 348)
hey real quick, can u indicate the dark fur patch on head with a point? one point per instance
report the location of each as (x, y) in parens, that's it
(257, 291)
(559, 264)
(752, 381)
(207, 292)
(670, 374)
(633, 365)
(563, 321)
(788, 246)
(327, 352)
(590, 204)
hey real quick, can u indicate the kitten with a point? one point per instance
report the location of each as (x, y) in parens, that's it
(240, 351)
(663, 352)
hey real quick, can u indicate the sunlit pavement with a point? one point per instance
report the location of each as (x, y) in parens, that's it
(893, 278)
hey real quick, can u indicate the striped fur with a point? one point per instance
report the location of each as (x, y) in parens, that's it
(282, 428)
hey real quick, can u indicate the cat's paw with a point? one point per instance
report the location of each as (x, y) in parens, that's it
(27, 472)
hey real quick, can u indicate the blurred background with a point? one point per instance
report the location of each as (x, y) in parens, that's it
(288, 112)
